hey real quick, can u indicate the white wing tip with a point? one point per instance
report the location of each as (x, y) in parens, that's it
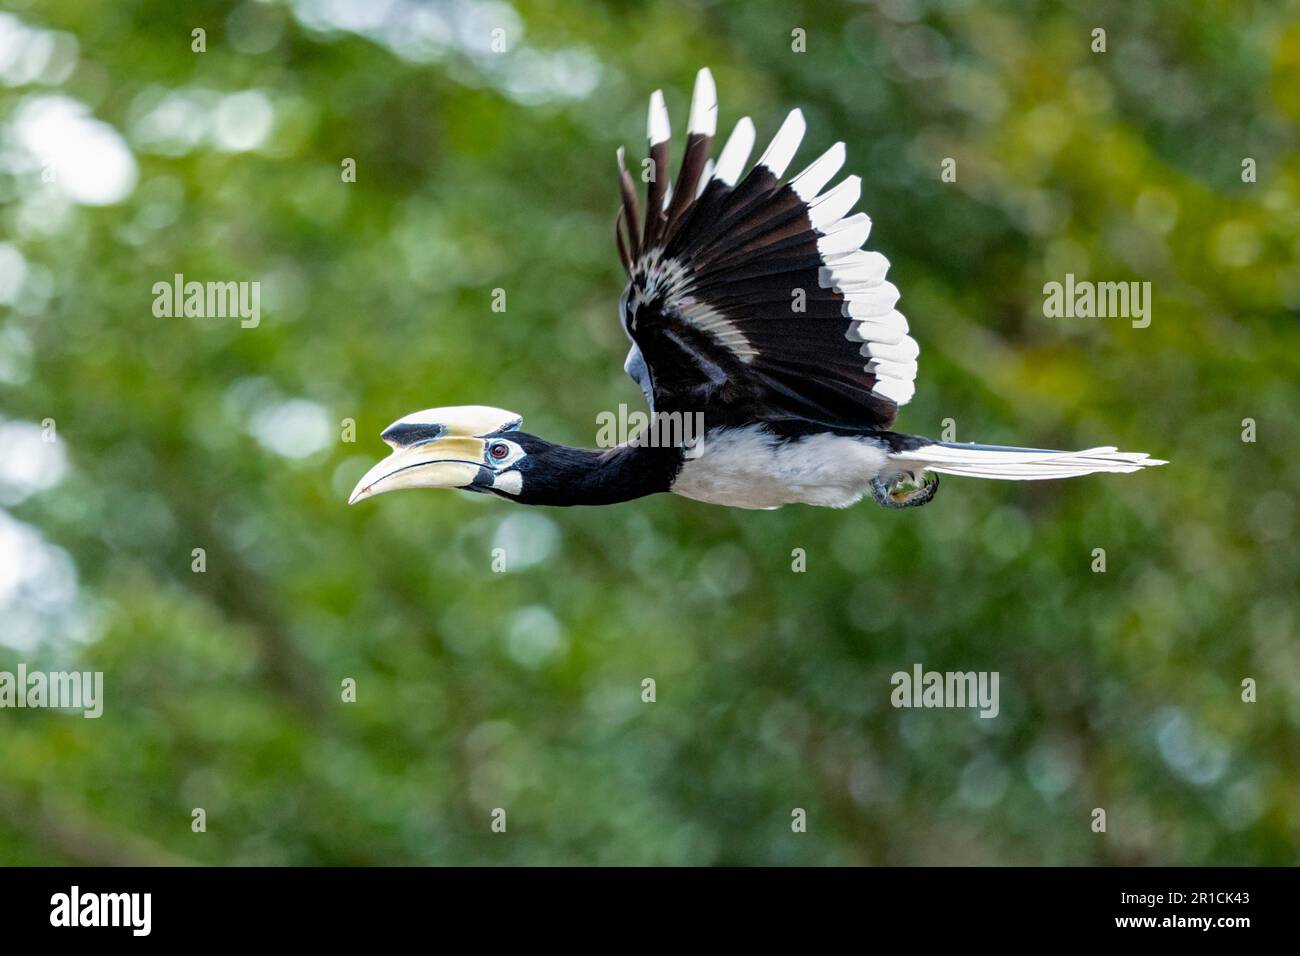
(704, 178)
(731, 162)
(830, 207)
(810, 182)
(898, 391)
(704, 105)
(785, 144)
(657, 128)
(846, 235)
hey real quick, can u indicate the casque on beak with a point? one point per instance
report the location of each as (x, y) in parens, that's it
(436, 448)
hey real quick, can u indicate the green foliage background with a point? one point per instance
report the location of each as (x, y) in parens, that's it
(522, 690)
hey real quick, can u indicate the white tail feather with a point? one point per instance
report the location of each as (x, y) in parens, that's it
(1021, 464)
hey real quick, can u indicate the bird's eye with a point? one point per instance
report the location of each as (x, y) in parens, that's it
(498, 450)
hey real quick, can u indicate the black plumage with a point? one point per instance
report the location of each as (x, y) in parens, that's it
(754, 312)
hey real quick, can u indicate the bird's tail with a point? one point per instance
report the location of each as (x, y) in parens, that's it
(1019, 464)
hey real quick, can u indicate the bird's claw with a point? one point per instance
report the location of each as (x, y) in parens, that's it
(884, 492)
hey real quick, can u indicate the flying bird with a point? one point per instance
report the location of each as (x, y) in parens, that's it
(752, 310)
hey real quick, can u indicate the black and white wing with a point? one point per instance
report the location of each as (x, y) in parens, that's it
(752, 299)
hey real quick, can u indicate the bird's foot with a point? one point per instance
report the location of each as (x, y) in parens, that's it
(895, 494)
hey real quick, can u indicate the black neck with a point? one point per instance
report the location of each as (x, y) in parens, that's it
(562, 476)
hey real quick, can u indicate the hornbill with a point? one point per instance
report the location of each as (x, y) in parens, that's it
(752, 308)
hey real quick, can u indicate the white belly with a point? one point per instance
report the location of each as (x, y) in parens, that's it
(749, 468)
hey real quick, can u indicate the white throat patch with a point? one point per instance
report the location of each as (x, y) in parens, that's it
(511, 482)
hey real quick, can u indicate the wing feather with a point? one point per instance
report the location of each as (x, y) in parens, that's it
(751, 298)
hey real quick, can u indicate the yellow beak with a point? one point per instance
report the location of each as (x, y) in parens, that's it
(452, 462)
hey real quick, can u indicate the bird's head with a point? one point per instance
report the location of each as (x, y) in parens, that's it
(474, 447)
